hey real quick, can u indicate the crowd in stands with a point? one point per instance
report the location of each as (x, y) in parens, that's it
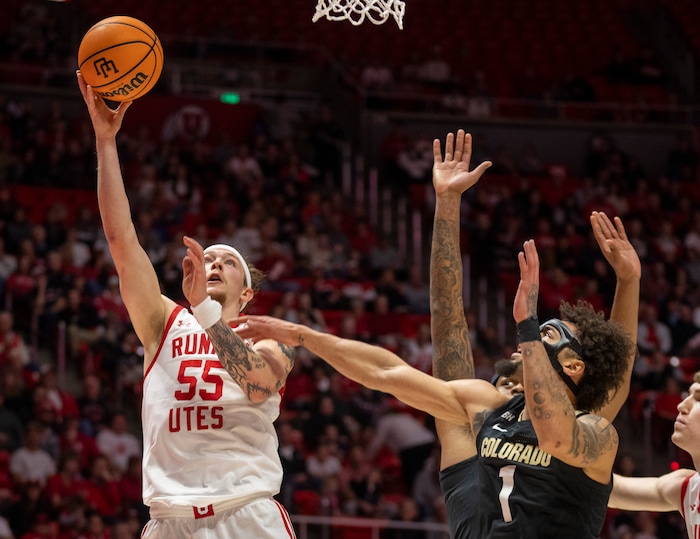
(70, 453)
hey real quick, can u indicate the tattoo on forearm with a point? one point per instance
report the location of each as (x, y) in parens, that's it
(532, 300)
(237, 358)
(549, 397)
(452, 353)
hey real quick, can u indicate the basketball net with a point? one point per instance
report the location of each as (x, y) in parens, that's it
(355, 11)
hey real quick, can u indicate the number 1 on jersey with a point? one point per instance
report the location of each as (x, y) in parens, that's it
(507, 473)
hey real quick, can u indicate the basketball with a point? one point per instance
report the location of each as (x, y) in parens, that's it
(121, 58)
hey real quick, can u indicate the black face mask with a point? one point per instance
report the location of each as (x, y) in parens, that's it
(567, 340)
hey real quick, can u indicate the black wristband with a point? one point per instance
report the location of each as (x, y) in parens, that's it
(529, 330)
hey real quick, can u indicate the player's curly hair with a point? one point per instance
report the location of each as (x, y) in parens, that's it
(606, 352)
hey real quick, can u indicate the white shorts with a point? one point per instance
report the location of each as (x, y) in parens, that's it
(263, 519)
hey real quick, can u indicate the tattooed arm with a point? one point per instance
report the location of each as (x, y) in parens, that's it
(589, 442)
(260, 371)
(452, 351)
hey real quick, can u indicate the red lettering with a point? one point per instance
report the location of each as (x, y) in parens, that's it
(201, 417)
(191, 344)
(215, 379)
(217, 416)
(188, 380)
(204, 345)
(177, 346)
(196, 418)
(189, 410)
(174, 426)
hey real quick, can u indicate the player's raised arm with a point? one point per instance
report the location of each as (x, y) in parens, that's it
(138, 281)
(620, 254)
(452, 351)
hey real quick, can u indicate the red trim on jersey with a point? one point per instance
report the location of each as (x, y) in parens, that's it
(684, 491)
(168, 325)
(285, 518)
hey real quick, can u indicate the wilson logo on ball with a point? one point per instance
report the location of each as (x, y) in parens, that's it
(128, 88)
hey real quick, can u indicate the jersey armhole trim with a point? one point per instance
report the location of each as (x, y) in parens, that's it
(168, 325)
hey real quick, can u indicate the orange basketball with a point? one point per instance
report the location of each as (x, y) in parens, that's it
(121, 58)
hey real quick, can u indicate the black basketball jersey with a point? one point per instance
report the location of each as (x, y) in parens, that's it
(528, 494)
(459, 487)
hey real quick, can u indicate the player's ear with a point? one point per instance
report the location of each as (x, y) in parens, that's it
(247, 294)
(573, 367)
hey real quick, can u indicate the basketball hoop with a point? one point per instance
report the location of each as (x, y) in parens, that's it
(355, 11)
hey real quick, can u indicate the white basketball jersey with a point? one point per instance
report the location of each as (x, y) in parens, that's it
(690, 503)
(204, 441)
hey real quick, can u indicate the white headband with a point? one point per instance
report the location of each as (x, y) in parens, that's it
(239, 256)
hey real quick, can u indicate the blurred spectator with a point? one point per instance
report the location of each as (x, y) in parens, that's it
(244, 167)
(117, 443)
(409, 511)
(361, 483)
(682, 326)
(665, 412)
(13, 348)
(426, 488)
(29, 511)
(406, 437)
(21, 290)
(652, 334)
(71, 440)
(8, 264)
(388, 285)
(291, 453)
(92, 404)
(63, 402)
(324, 462)
(102, 493)
(11, 427)
(384, 323)
(417, 291)
(66, 483)
(95, 527)
(419, 349)
(30, 462)
(81, 320)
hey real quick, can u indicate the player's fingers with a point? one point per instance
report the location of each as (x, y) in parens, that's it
(459, 145)
(437, 152)
(467, 148)
(479, 171)
(620, 228)
(449, 146)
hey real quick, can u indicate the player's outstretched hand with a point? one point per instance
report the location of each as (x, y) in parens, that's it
(105, 121)
(194, 276)
(258, 328)
(616, 247)
(525, 303)
(452, 173)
